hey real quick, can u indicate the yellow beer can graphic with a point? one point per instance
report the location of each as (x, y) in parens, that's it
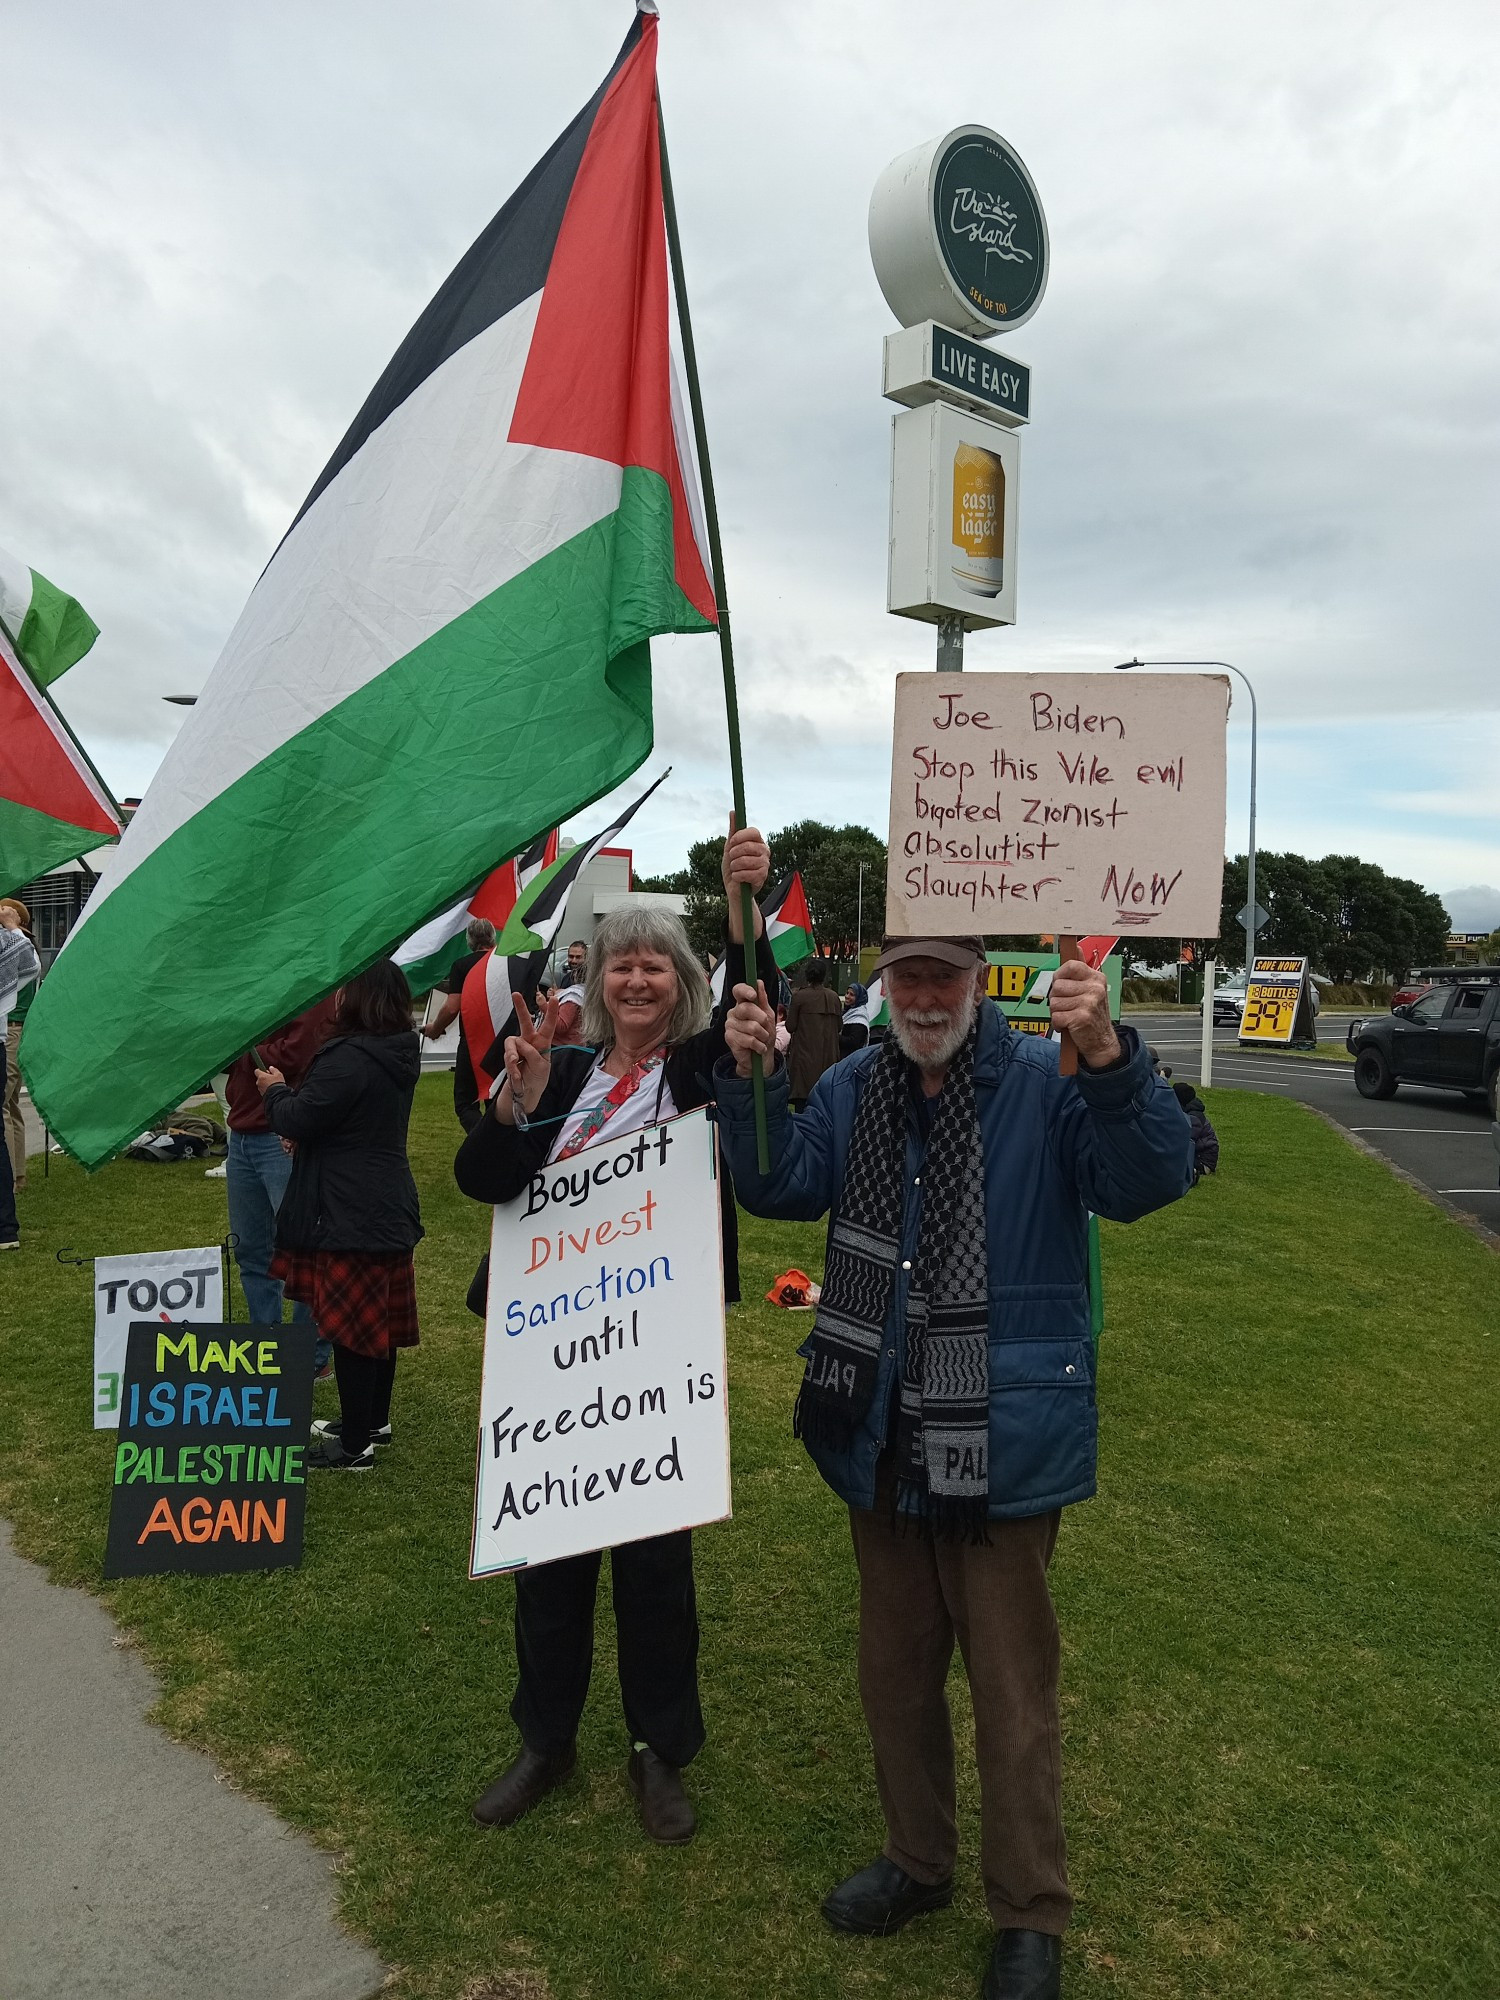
(978, 520)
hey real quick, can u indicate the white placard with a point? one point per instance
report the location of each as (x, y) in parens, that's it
(148, 1284)
(1074, 803)
(603, 1413)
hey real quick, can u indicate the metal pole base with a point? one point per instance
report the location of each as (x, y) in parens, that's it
(950, 646)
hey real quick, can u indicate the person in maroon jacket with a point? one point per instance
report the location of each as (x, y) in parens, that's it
(259, 1167)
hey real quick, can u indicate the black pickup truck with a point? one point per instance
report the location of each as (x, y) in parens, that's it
(1447, 1040)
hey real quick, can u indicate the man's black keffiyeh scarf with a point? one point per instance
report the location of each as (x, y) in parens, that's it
(942, 1434)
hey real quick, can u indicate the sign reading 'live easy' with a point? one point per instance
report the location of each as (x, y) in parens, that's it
(210, 1463)
(1071, 803)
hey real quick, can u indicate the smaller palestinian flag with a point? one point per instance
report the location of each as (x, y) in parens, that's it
(521, 950)
(788, 922)
(52, 804)
(428, 953)
(49, 630)
(788, 928)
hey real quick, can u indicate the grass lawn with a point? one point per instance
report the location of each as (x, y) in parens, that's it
(1279, 1617)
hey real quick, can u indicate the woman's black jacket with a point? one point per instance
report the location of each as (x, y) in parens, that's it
(351, 1187)
(496, 1162)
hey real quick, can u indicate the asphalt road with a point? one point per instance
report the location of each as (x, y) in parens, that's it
(1438, 1137)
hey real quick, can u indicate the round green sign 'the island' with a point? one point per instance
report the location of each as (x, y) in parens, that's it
(957, 234)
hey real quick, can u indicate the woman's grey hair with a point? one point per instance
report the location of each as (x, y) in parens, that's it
(644, 927)
(480, 933)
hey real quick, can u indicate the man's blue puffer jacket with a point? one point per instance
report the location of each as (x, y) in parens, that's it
(1114, 1141)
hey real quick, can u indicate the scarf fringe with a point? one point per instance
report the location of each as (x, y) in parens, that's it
(819, 1426)
(938, 1517)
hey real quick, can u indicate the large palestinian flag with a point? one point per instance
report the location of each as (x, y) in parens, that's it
(52, 806)
(447, 654)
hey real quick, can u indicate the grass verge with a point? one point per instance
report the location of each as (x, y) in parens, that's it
(1280, 1675)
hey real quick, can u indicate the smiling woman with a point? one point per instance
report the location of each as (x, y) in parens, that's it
(653, 1040)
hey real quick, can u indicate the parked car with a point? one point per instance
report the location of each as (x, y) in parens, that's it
(1429, 976)
(1229, 1004)
(1449, 1039)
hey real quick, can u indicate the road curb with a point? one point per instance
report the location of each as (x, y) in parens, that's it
(1460, 1215)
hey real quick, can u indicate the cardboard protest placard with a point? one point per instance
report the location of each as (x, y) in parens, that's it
(159, 1284)
(210, 1464)
(1070, 803)
(603, 1415)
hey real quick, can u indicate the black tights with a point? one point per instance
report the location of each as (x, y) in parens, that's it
(364, 1395)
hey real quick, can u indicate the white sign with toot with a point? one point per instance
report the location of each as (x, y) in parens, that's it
(1069, 803)
(603, 1414)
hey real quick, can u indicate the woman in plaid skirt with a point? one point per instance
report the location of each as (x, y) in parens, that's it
(349, 1220)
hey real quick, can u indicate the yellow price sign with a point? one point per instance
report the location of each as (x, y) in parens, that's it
(1270, 1013)
(1273, 997)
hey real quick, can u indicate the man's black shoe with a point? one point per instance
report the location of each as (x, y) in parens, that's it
(1024, 1965)
(666, 1810)
(881, 1898)
(522, 1784)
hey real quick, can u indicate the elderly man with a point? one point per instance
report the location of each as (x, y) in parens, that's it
(949, 1391)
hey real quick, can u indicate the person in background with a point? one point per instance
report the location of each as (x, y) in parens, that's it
(854, 1035)
(350, 1220)
(1205, 1138)
(948, 1397)
(815, 1018)
(258, 1166)
(15, 1015)
(480, 938)
(569, 1033)
(19, 965)
(652, 1043)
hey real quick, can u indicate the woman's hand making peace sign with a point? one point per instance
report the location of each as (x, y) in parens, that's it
(528, 1062)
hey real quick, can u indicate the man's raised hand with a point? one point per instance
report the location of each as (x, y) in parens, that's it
(750, 1028)
(1079, 1002)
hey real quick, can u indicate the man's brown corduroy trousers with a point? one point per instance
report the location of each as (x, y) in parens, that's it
(915, 1597)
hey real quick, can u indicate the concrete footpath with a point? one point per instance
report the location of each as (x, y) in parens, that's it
(128, 1869)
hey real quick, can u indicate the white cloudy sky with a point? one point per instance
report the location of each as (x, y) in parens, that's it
(1266, 421)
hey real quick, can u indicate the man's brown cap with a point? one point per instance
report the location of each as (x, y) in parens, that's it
(960, 951)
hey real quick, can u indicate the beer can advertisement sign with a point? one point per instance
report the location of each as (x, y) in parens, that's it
(953, 516)
(978, 520)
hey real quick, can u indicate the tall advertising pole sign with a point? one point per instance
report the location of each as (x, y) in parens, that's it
(1068, 804)
(959, 244)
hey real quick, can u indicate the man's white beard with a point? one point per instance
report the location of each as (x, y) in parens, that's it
(932, 1036)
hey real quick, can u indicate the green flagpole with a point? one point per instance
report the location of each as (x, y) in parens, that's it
(726, 644)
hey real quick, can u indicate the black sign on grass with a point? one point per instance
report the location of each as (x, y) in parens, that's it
(210, 1462)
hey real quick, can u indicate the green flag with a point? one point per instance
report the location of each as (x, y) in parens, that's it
(50, 630)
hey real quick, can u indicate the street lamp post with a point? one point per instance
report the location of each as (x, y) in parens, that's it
(1123, 666)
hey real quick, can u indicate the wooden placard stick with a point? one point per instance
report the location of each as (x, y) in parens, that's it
(1067, 1061)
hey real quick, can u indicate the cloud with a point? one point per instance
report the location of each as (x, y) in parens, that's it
(1266, 392)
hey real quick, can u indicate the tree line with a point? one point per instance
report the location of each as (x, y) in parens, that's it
(1348, 916)
(829, 858)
